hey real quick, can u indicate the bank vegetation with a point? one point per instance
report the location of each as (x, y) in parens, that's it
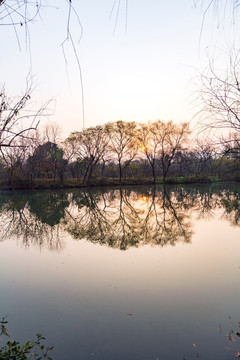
(118, 153)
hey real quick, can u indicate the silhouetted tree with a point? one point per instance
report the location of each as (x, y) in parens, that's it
(123, 143)
(89, 146)
(48, 161)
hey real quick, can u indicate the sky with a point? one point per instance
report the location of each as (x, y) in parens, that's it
(136, 67)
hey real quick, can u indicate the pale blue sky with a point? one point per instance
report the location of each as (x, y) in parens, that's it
(144, 74)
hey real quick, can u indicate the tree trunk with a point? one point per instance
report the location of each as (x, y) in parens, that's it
(153, 173)
(120, 172)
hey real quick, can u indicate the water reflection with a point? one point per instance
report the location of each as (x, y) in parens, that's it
(119, 218)
(34, 218)
(125, 218)
(231, 204)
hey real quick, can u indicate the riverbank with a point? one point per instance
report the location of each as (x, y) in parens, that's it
(22, 184)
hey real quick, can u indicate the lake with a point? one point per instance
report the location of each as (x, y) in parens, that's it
(124, 274)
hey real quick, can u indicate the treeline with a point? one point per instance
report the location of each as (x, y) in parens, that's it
(115, 153)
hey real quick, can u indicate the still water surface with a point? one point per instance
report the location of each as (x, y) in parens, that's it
(131, 274)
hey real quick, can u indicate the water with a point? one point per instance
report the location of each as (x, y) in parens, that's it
(131, 274)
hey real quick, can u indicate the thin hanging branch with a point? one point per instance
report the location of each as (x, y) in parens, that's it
(69, 39)
(22, 12)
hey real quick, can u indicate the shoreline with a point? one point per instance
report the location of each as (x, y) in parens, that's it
(40, 184)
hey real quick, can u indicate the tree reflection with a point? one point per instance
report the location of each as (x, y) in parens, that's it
(124, 218)
(33, 218)
(231, 204)
(206, 200)
(119, 218)
(167, 220)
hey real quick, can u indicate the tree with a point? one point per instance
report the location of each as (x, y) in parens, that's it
(171, 139)
(47, 161)
(231, 145)
(181, 162)
(123, 143)
(148, 139)
(203, 156)
(13, 158)
(51, 133)
(17, 119)
(16, 155)
(20, 13)
(219, 95)
(160, 142)
(89, 146)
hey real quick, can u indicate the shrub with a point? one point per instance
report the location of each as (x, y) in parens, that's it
(13, 350)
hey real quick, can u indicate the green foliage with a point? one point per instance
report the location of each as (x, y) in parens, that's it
(32, 349)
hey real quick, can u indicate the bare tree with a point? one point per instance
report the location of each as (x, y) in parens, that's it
(89, 146)
(123, 143)
(171, 139)
(231, 145)
(160, 141)
(149, 145)
(219, 94)
(21, 13)
(18, 12)
(18, 117)
(51, 133)
(203, 156)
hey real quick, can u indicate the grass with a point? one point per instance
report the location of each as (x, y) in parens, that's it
(103, 181)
